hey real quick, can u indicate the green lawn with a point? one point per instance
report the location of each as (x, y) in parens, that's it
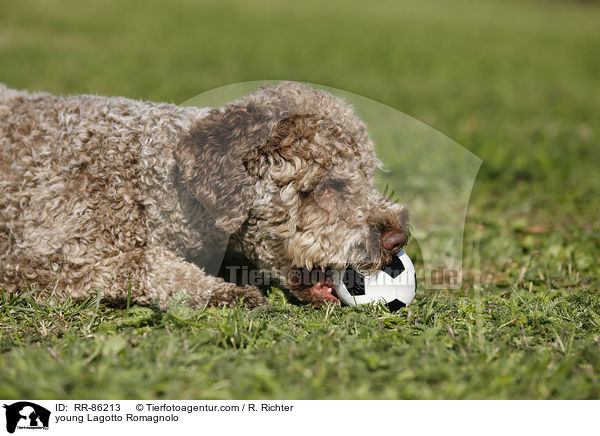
(515, 82)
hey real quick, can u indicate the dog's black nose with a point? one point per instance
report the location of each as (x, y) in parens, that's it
(392, 240)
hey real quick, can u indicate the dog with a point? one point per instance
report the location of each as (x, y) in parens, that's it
(138, 200)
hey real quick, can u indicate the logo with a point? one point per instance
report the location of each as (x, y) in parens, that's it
(26, 415)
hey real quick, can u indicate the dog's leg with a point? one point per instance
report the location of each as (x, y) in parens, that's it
(152, 275)
(156, 274)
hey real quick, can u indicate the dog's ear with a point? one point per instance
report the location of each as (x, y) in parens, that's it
(288, 130)
(210, 162)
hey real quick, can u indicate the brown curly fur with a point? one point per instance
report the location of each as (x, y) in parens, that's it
(113, 194)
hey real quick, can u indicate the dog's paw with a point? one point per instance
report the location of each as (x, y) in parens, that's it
(228, 294)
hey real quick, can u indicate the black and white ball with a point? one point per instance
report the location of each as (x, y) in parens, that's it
(394, 285)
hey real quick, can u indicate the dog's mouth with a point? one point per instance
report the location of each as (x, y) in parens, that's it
(316, 286)
(313, 286)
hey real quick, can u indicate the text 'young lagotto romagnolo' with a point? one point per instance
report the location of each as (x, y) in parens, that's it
(112, 195)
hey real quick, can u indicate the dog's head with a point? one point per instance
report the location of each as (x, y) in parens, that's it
(288, 171)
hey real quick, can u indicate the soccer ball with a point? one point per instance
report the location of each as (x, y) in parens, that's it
(394, 285)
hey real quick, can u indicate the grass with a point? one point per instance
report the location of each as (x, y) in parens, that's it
(514, 82)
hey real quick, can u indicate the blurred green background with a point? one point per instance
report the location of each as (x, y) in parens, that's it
(515, 82)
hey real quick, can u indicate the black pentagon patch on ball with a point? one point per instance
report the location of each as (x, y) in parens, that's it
(354, 281)
(395, 305)
(395, 268)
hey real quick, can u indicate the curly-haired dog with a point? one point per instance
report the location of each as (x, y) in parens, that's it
(134, 198)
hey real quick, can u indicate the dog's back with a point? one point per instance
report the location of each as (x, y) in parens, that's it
(79, 176)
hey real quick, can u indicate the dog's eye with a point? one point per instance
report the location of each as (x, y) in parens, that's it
(328, 189)
(323, 192)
